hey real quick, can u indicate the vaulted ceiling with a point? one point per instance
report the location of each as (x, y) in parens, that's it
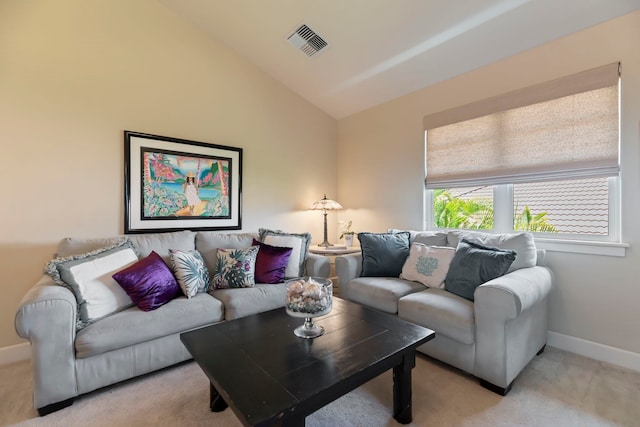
(381, 49)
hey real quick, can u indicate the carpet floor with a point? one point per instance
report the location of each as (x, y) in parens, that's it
(556, 389)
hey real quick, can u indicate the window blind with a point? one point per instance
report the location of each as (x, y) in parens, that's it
(565, 128)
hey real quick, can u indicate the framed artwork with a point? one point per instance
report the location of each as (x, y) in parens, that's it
(175, 184)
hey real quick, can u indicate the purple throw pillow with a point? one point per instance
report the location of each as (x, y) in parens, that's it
(271, 262)
(149, 282)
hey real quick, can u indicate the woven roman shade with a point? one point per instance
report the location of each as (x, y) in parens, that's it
(565, 128)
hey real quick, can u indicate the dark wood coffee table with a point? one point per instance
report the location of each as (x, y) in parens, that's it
(269, 376)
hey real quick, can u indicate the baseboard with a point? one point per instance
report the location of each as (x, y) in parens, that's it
(15, 353)
(615, 356)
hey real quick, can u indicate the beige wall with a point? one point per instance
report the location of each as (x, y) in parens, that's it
(380, 173)
(75, 74)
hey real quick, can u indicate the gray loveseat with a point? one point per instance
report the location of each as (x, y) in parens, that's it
(492, 337)
(68, 362)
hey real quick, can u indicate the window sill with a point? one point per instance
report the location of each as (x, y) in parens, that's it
(583, 247)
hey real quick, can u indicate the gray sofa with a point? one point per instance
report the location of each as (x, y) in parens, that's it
(68, 362)
(493, 337)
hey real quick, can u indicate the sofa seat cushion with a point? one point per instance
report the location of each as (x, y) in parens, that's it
(133, 326)
(241, 302)
(382, 293)
(445, 313)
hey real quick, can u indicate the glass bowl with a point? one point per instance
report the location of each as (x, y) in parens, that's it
(309, 297)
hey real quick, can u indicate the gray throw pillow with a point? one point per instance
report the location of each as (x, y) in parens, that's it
(475, 264)
(383, 254)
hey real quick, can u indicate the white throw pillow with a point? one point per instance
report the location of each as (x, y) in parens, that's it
(428, 264)
(89, 277)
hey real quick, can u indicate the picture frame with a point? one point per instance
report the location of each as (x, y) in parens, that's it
(173, 184)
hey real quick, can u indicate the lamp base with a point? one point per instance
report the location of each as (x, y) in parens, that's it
(325, 244)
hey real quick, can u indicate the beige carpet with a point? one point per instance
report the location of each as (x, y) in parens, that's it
(556, 389)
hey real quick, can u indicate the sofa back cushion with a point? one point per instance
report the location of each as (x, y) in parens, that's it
(429, 238)
(144, 244)
(161, 243)
(208, 243)
(383, 254)
(522, 243)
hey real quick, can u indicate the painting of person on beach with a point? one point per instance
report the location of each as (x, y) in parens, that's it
(184, 185)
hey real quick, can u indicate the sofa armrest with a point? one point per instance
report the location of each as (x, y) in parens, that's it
(511, 314)
(46, 317)
(509, 295)
(348, 267)
(317, 265)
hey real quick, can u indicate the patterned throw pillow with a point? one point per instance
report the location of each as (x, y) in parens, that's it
(190, 271)
(88, 276)
(235, 268)
(428, 264)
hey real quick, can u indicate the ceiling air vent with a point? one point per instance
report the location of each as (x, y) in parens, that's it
(306, 40)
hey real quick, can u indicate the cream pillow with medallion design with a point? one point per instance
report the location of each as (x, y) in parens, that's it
(428, 264)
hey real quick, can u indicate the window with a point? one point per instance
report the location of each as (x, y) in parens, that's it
(542, 159)
(572, 207)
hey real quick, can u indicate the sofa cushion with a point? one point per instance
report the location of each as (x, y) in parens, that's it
(429, 238)
(473, 265)
(299, 242)
(133, 326)
(161, 243)
(522, 243)
(383, 254)
(150, 283)
(88, 276)
(271, 263)
(143, 243)
(191, 273)
(246, 301)
(447, 314)
(428, 264)
(381, 293)
(208, 243)
(236, 268)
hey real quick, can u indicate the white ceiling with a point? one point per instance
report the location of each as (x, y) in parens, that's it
(381, 49)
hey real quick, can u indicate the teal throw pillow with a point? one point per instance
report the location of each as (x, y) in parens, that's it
(475, 264)
(383, 254)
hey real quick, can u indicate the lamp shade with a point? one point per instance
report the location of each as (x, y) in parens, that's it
(326, 205)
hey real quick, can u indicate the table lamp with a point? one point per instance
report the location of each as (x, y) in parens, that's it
(325, 205)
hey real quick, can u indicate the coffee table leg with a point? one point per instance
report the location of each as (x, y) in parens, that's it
(216, 402)
(402, 388)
